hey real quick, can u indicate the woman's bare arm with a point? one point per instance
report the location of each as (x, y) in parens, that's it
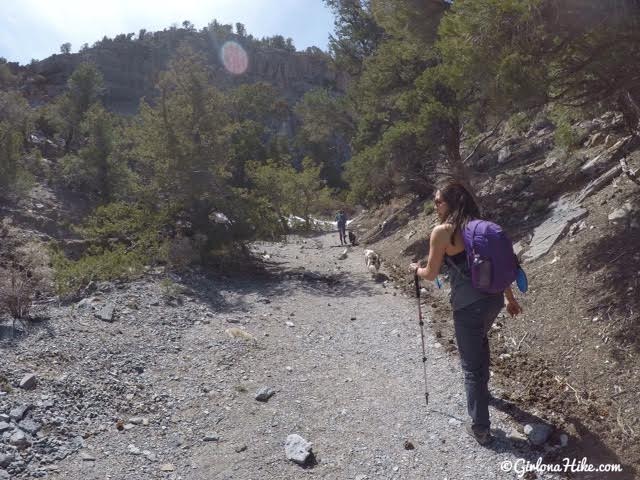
(437, 245)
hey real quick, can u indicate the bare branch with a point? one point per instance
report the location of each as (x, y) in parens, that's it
(484, 139)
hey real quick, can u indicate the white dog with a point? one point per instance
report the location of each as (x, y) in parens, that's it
(372, 260)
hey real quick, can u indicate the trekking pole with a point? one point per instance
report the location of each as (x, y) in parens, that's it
(424, 354)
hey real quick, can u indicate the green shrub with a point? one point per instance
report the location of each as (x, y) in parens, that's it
(124, 239)
(566, 136)
(403, 218)
(519, 123)
(77, 174)
(10, 155)
(98, 264)
(131, 223)
(36, 165)
(24, 181)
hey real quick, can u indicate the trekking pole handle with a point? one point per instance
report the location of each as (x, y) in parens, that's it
(416, 280)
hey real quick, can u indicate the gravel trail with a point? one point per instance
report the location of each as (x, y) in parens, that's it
(340, 350)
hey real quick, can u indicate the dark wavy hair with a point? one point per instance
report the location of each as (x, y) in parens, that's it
(462, 206)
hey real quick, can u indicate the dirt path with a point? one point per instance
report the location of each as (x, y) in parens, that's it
(342, 353)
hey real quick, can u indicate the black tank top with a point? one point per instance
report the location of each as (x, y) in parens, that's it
(462, 292)
(459, 259)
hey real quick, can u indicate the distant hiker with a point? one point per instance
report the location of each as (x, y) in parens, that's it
(477, 293)
(341, 221)
(352, 238)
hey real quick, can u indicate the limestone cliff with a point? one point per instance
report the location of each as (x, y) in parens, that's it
(130, 67)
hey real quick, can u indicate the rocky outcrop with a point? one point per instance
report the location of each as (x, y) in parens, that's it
(292, 73)
(130, 68)
(565, 213)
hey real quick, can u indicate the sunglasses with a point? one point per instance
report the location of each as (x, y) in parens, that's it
(438, 201)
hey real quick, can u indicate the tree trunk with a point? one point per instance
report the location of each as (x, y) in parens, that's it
(68, 140)
(457, 169)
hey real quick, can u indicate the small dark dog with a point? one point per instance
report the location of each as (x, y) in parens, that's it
(352, 238)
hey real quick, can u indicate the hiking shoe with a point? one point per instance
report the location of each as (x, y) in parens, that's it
(481, 435)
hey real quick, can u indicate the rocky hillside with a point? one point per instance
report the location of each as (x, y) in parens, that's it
(573, 356)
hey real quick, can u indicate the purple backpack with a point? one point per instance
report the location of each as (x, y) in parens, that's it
(492, 262)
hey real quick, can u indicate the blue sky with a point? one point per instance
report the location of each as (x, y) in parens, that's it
(36, 28)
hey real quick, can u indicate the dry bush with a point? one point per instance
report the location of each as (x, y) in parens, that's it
(16, 293)
(24, 280)
(34, 257)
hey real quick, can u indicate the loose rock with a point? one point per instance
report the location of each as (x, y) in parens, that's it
(29, 426)
(19, 439)
(537, 433)
(19, 412)
(106, 314)
(133, 450)
(6, 459)
(28, 382)
(264, 394)
(621, 213)
(87, 457)
(297, 449)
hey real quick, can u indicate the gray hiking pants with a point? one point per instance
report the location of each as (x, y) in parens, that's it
(342, 231)
(472, 324)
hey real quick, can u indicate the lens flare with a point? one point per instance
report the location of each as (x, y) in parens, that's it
(234, 58)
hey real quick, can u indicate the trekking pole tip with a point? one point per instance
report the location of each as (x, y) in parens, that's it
(426, 397)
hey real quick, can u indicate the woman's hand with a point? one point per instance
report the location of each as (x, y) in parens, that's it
(413, 268)
(513, 307)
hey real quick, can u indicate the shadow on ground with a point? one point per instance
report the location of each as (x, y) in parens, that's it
(615, 257)
(269, 282)
(583, 444)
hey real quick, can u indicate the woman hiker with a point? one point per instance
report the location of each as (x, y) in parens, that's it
(473, 311)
